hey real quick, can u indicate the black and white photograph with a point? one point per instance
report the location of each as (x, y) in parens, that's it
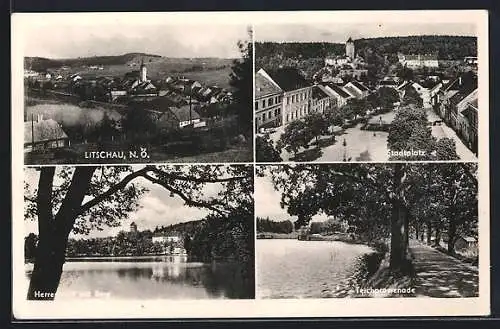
(116, 90)
(142, 232)
(362, 91)
(367, 230)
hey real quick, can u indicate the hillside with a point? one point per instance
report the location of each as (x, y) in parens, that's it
(447, 47)
(42, 64)
(183, 228)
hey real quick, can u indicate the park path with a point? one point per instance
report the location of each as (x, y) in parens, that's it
(440, 275)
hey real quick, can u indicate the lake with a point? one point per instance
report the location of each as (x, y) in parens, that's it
(167, 277)
(288, 268)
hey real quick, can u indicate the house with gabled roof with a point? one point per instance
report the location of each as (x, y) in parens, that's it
(296, 92)
(341, 95)
(44, 134)
(268, 101)
(322, 100)
(356, 89)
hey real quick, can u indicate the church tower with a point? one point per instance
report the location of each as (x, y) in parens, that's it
(349, 48)
(144, 71)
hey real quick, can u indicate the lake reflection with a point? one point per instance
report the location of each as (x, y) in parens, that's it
(305, 269)
(170, 278)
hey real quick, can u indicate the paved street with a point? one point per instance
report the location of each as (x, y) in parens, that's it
(440, 275)
(444, 131)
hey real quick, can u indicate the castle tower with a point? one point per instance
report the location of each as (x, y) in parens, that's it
(349, 48)
(133, 227)
(144, 71)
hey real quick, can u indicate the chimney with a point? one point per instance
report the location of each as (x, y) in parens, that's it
(460, 81)
(39, 117)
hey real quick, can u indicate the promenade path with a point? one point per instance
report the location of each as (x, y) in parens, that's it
(440, 275)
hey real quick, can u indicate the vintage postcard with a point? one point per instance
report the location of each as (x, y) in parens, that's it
(250, 165)
(141, 90)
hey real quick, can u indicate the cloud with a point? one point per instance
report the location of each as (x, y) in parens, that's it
(339, 32)
(66, 41)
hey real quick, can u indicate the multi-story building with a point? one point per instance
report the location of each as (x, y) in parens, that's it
(418, 60)
(268, 101)
(322, 100)
(297, 92)
(467, 113)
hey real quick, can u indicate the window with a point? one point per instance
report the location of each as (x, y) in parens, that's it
(270, 101)
(263, 116)
(287, 118)
(263, 103)
(287, 100)
(256, 105)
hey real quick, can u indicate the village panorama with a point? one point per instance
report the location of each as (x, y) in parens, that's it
(138, 107)
(367, 99)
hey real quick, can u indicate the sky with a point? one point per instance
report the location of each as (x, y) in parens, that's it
(340, 32)
(267, 202)
(157, 208)
(72, 41)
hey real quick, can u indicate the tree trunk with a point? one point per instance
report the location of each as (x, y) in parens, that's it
(399, 223)
(452, 232)
(399, 236)
(429, 232)
(54, 230)
(438, 236)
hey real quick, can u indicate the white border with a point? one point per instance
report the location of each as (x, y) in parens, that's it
(362, 307)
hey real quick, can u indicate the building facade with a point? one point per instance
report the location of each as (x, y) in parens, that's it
(419, 60)
(268, 102)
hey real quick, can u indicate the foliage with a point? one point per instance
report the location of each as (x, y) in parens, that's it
(316, 124)
(265, 150)
(241, 79)
(268, 226)
(411, 96)
(296, 135)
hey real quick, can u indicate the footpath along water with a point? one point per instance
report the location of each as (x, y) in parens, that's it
(288, 268)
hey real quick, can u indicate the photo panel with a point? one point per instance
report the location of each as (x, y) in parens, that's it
(136, 233)
(363, 89)
(393, 230)
(156, 87)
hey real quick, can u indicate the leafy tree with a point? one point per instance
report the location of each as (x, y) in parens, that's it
(446, 149)
(80, 199)
(411, 97)
(265, 150)
(296, 135)
(30, 243)
(317, 125)
(241, 79)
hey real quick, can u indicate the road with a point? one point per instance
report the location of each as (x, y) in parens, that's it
(444, 131)
(440, 275)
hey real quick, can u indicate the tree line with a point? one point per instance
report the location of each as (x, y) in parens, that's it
(265, 225)
(447, 47)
